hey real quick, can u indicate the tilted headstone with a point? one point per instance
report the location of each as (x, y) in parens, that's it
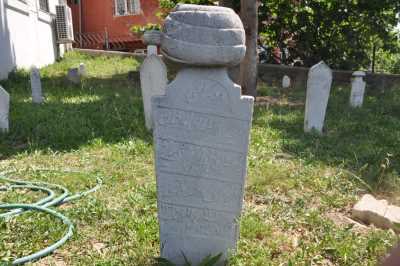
(153, 77)
(201, 135)
(286, 82)
(73, 76)
(36, 86)
(82, 70)
(318, 88)
(357, 89)
(4, 110)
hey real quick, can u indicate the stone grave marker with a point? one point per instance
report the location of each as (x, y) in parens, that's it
(357, 89)
(153, 76)
(82, 70)
(201, 134)
(4, 110)
(36, 86)
(286, 82)
(318, 88)
(73, 76)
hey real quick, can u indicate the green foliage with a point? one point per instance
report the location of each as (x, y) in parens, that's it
(387, 62)
(141, 29)
(340, 32)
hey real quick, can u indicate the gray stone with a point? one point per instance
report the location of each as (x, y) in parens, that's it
(199, 35)
(82, 70)
(153, 80)
(36, 86)
(152, 37)
(73, 76)
(318, 88)
(4, 110)
(357, 89)
(377, 212)
(201, 138)
(286, 82)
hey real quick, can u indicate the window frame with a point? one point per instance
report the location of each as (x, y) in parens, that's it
(128, 6)
(47, 10)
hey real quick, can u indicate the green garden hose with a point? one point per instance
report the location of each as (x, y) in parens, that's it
(42, 205)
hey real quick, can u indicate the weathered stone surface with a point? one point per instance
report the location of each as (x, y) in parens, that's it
(152, 37)
(151, 50)
(378, 212)
(4, 110)
(286, 82)
(318, 88)
(82, 70)
(73, 76)
(357, 89)
(36, 86)
(201, 135)
(199, 35)
(153, 80)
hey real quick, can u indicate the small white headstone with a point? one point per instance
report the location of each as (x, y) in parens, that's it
(4, 110)
(286, 82)
(151, 50)
(36, 86)
(357, 89)
(82, 69)
(318, 88)
(153, 80)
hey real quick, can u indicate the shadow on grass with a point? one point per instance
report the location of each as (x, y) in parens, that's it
(365, 140)
(106, 109)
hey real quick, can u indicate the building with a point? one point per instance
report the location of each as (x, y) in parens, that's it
(27, 34)
(105, 24)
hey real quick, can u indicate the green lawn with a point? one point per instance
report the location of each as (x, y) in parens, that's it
(298, 189)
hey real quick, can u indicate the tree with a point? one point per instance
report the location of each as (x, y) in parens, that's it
(340, 32)
(248, 67)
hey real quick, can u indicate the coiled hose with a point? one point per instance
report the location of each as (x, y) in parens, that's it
(42, 205)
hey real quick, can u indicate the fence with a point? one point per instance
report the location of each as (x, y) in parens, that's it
(103, 41)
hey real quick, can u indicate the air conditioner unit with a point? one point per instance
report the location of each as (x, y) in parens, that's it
(65, 31)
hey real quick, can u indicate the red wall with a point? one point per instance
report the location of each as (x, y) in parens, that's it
(99, 14)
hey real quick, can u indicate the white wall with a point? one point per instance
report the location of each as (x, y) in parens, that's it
(27, 35)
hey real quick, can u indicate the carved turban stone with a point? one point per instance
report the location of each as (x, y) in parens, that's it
(203, 35)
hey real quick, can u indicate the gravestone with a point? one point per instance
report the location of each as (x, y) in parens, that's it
(82, 70)
(36, 86)
(201, 134)
(152, 38)
(318, 88)
(357, 89)
(153, 76)
(73, 76)
(4, 110)
(286, 82)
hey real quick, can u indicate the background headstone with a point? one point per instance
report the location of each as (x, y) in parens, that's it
(152, 38)
(82, 70)
(4, 110)
(318, 89)
(153, 75)
(357, 89)
(36, 86)
(73, 76)
(286, 82)
(153, 81)
(201, 135)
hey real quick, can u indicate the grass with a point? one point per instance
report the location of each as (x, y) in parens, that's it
(298, 188)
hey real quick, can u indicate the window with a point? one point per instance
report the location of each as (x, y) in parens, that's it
(127, 7)
(44, 5)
